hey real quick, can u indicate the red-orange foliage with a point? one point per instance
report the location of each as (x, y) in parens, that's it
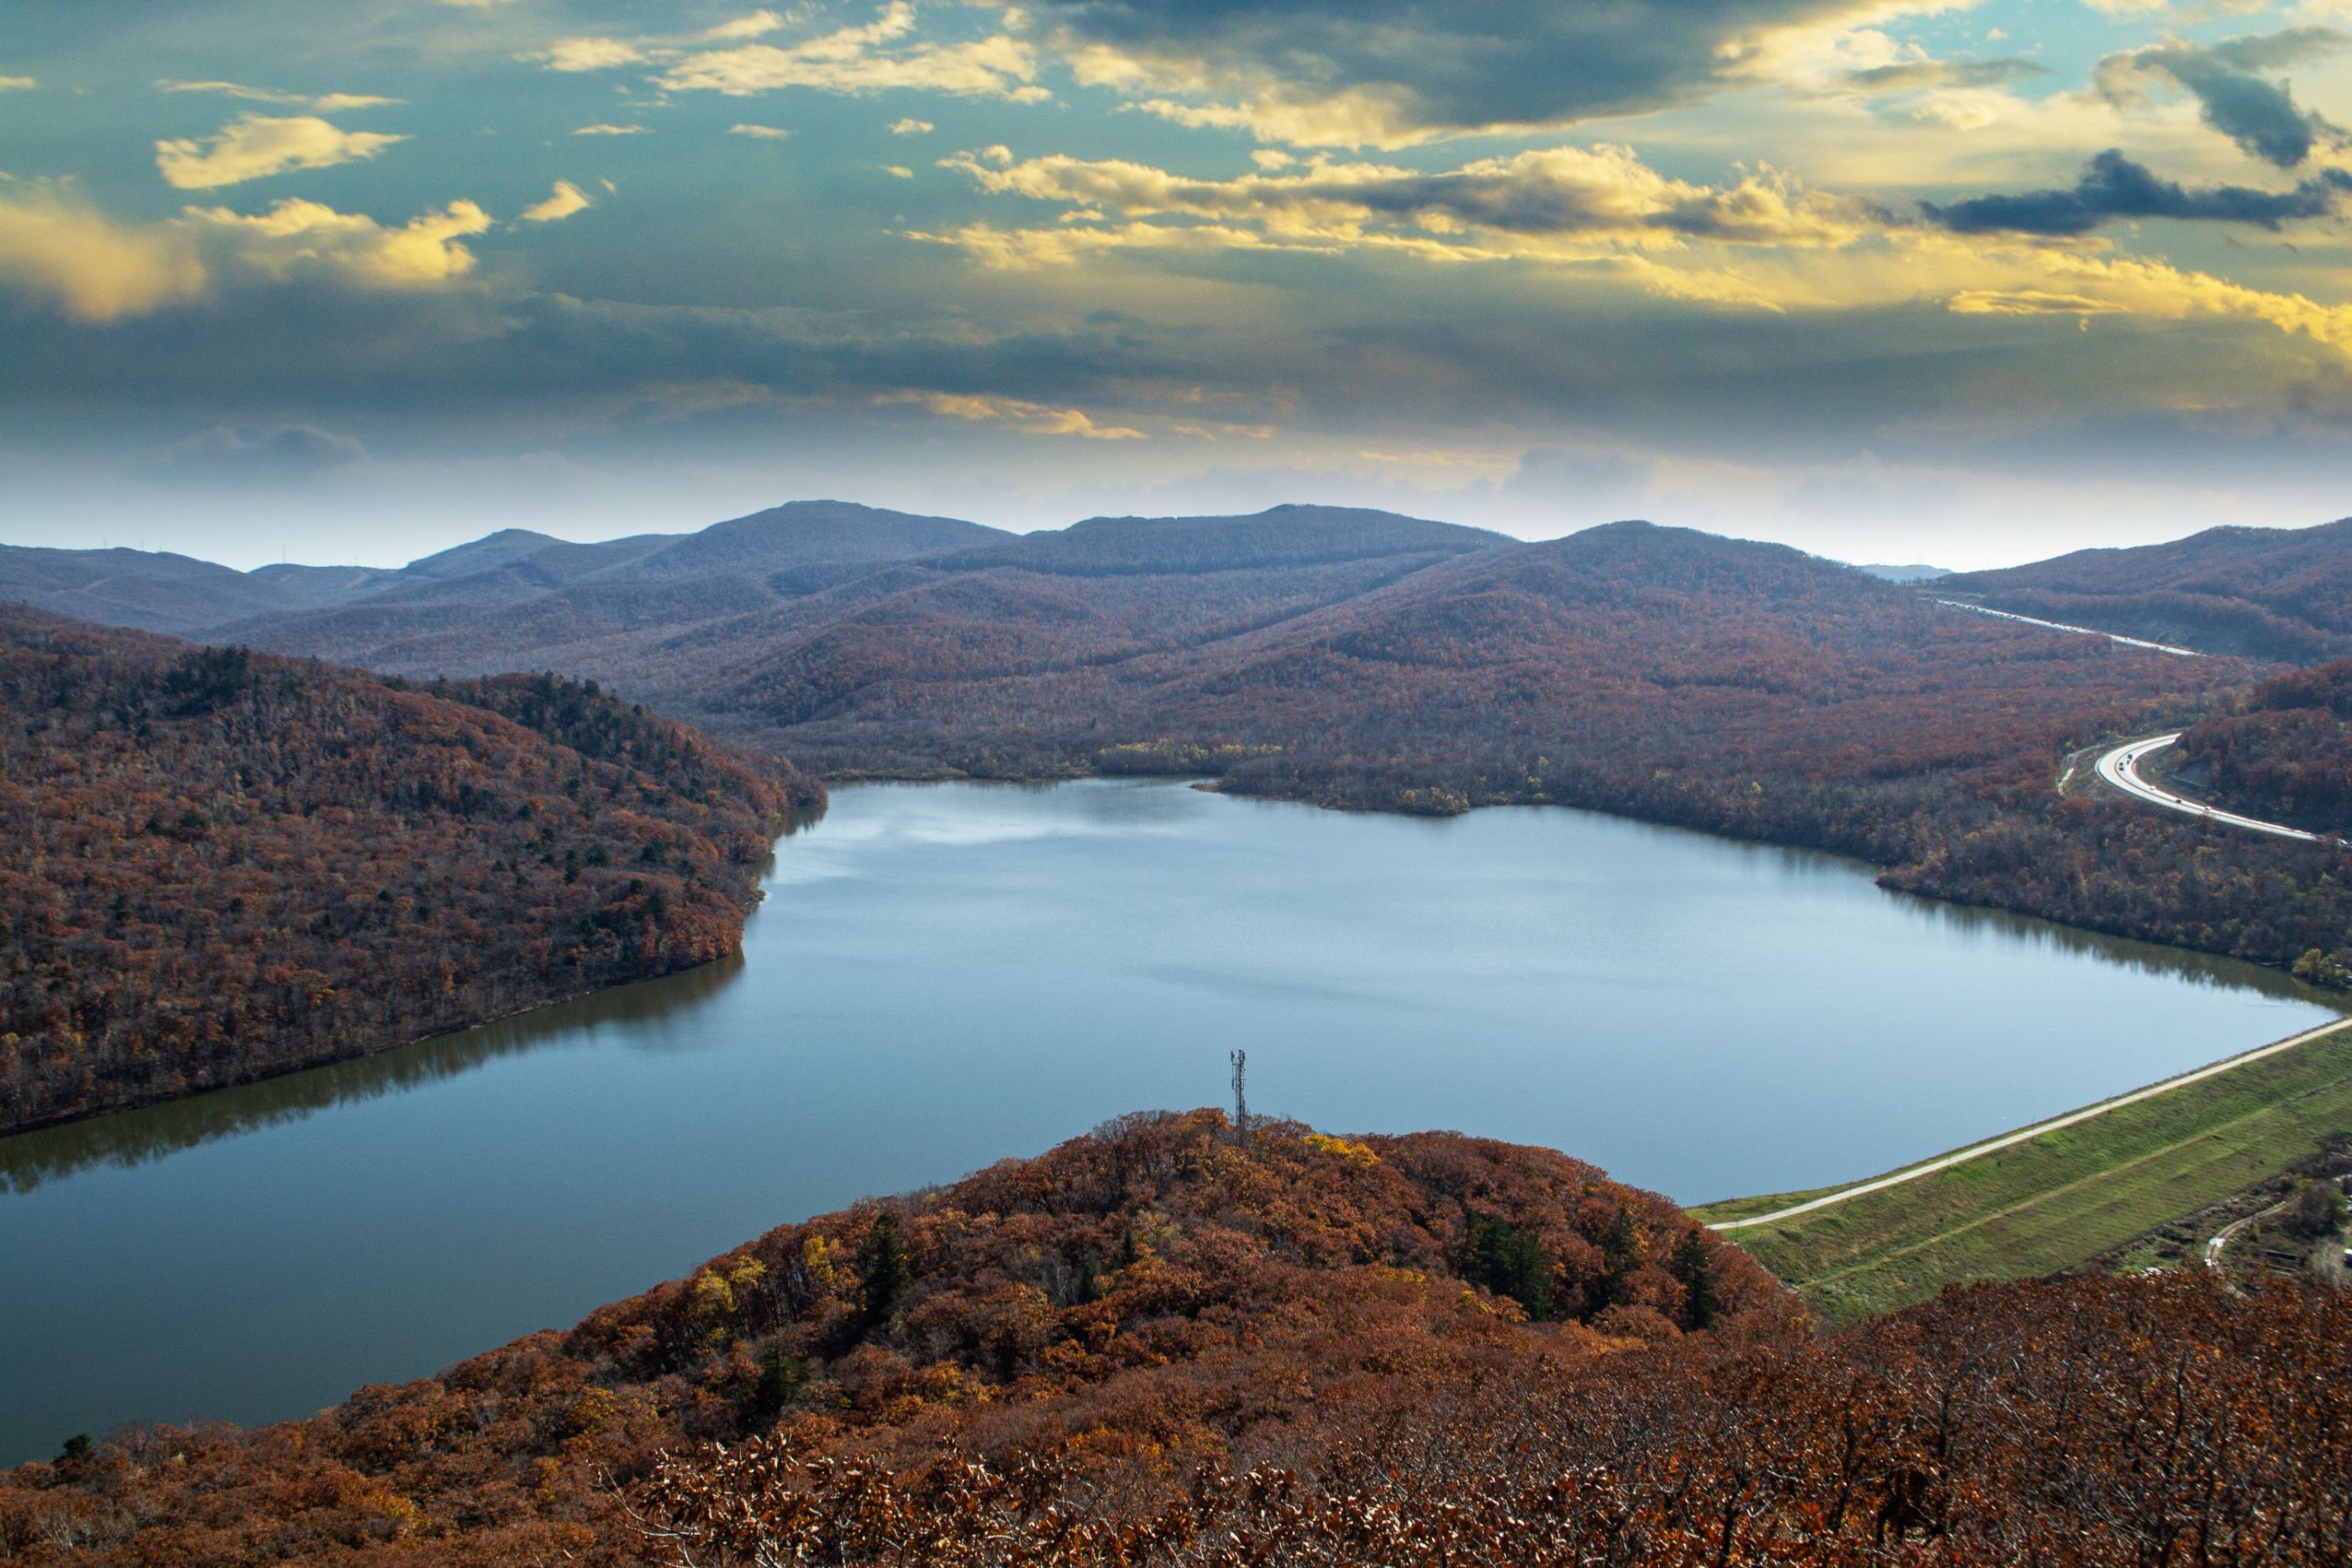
(1157, 1345)
(2286, 753)
(223, 866)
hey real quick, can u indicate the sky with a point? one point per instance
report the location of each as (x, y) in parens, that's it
(1892, 280)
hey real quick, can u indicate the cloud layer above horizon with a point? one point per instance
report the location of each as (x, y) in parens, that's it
(1882, 278)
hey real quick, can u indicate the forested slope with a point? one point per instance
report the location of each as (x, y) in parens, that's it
(225, 864)
(2268, 594)
(1164, 1345)
(2283, 753)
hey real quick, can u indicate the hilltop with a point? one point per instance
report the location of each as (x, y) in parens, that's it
(1165, 1344)
(2283, 594)
(227, 864)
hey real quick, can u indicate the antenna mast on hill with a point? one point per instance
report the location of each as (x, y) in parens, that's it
(1240, 1058)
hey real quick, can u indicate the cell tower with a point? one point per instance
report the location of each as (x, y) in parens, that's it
(1240, 1058)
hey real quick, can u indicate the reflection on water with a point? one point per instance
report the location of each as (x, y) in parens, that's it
(2151, 958)
(133, 1137)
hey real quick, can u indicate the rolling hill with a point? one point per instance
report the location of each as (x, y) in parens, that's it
(1165, 1344)
(226, 864)
(2280, 594)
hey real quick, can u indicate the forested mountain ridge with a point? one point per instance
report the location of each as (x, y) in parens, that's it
(1166, 1343)
(163, 592)
(1362, 659)
(151, 590)
(2282, 594)
(226, 864)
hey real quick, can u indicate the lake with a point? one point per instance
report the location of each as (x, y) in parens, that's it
(944, 976)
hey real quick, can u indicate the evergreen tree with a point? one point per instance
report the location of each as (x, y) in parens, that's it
(884, 1273)
(1692, 1269)
(1620, 1254)
(1508, 1261)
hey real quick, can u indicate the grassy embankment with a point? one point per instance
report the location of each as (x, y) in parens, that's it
(2053, 1200)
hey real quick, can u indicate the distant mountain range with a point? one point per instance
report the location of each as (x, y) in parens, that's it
(1362, 659)
(1912, 573)
(2282, 594)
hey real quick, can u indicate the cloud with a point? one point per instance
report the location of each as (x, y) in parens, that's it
(561, 202)
(764, 132)
(911, 127)
(1920, 76)
(602, 129)
(254, 146)
(1394, 72)
(226, 455)
(896, 170)
(1017, 414)
(2027, 302)
(1560, 201)
(90, 268)
(756, 25)
(2089, 285)
(2260, 116)
(18, 84)
(2113, 187)
(326, 103)
(876, 58)
(295, 236)
(575, 55)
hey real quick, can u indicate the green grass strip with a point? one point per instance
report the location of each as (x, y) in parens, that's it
(2053, 1200)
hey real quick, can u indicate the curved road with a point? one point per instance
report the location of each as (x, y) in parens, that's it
(2120, 768)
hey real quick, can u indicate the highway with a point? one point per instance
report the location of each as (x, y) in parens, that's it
(2062, 626)
(2120, 768)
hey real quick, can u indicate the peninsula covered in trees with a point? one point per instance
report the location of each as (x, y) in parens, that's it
(226, 865)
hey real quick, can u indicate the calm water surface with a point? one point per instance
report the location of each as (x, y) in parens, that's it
(944, 976)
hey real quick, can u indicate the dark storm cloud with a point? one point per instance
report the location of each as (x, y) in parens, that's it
(2113, 188)
(520, 367)
(2260, 116)
(1397, 69)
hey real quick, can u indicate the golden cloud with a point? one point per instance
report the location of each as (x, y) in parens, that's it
(577, 55)
(90, 268)
(298, 236)
(561, 202)
(1016, 414)
(870, 59)
(254, 146)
